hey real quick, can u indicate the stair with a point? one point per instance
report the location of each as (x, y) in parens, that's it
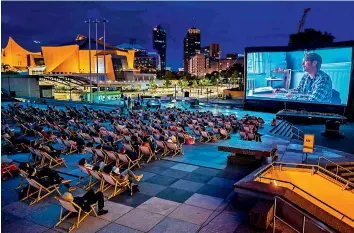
(283, 130)
(346, 171)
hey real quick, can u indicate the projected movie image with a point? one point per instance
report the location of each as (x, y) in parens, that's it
(317, 76)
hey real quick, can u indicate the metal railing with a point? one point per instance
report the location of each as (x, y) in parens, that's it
(297, 132)
(294, 187)
(305, 218)
(314, 169)
(337, 166)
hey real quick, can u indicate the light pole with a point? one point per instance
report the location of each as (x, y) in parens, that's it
(89, 23)
(104, 57)
(96, 22)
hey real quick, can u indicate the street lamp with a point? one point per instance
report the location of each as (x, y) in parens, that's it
(89, 24)
(104, 57)
(96, 22)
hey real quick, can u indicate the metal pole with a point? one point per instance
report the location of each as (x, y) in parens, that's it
(104, 58)
(89, 23)
(175, 91)
(98, 99)
(303, 224)
(274, 214)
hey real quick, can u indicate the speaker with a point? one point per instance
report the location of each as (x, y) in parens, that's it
(186, 94)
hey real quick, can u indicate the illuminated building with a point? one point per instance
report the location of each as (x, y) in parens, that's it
(215, 51)
(231, 56)
(191, 46)
(71, 58)
(197, 65)
(159, 44)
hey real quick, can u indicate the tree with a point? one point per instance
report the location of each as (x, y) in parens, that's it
(5, 67)
(310, 38)
(152, 84)
(182, 83)
(167, 83)
(194, 83)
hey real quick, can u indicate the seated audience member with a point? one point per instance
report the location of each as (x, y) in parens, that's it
(45, 176)
(87, 200)
(125, 175)
(17, 140)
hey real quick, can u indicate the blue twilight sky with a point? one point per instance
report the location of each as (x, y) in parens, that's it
(234, 25)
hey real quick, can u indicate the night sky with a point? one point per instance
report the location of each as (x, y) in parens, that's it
(234, 25)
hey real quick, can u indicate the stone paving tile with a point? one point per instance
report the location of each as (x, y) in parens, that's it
(223, 223)
(225, 183)
(175, 173)
(197, 178)
(203, 201)
(191, 214)
(185, 167)
(116, 228)
(215, 191)
(176, 195)
(150, 188)
(22, 226)
(22, 209)
(115, 211)
(47, 217)
(154, 169)
(89, 224)
(7, 218)
(165, 163)
(206, 171)
(140, 220)
(232, 175)
(132, 201)
(51, 231)
(159, 206)
(187, 185)
(175, 226)
(162, 180)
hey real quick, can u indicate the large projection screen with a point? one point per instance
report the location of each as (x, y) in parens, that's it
(320, 76)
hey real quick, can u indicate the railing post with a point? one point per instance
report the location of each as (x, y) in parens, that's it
(337, 171)
(303, 224)
(275, 208)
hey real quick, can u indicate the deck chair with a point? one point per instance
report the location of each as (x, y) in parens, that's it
(216, 133)
(126, 160)
(61, 143)
(18, 148)
(205, 137)
(128, 147)
(173, 149)
(243, 135)
(100, 154)
(73, 208)
(98, 177)
(112, 157)
(182, 136)
(224, 134)
(37, 154)
(98, 140)
(161, 147)
(127, 138)
(53, 162)
(25, 129)
(89, 175)
(70, 147)
(41, 138)
(40, 190)
(250, 136)
(23, 175)
(197, 133)
(112, 181)
(145, 150)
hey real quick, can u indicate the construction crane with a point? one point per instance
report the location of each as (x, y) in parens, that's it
(303, 19)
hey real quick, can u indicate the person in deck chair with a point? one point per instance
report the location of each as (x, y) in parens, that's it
(45, 176)
(87, 200)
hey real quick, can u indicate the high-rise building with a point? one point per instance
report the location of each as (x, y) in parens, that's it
(159, 44)
(197, 65)
(231, 56)
(191, 46)
(205, 50)
(215, 51)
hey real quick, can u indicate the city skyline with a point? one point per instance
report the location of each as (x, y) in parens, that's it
(233, 25)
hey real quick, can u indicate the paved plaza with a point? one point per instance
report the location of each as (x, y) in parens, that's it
(188, 193)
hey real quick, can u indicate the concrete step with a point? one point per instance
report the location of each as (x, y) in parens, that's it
(343, 164)
(276, 128)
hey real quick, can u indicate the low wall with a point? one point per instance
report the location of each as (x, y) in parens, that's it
(234, 94)
(22, 85)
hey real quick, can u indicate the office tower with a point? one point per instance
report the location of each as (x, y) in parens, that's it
(197, 65)
(191, 46)
(159, 44)
(215, 51)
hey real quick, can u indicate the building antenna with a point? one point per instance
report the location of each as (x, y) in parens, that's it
(193, 20)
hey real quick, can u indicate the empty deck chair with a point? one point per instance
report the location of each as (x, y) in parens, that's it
(41, 191)
(70, 147)
(126, 160)
(53, 162)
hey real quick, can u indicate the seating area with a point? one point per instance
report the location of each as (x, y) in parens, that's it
(49, 134)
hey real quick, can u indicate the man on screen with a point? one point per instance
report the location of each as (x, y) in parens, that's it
(315, 85)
